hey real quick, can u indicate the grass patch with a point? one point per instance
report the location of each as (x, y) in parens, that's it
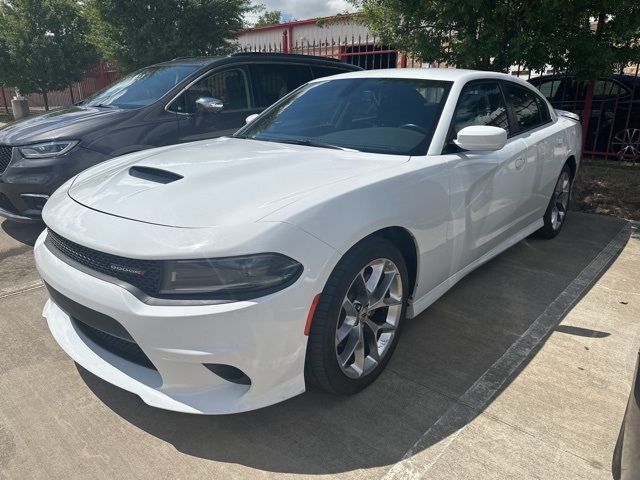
(608, 187)
(5, 118)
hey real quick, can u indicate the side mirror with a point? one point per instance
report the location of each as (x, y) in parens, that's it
(483, 138)
(209, 105)
(251, 118)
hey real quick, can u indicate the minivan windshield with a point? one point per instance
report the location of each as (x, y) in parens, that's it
(140, 88)
(379, 115)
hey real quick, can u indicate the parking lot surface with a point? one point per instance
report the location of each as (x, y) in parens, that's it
(522, 371)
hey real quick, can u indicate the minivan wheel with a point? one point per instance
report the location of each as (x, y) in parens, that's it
(558, 207)
(358, 319)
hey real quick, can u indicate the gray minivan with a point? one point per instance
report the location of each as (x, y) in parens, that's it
(178, 101)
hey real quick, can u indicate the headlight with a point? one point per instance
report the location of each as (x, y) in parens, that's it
(233, 276)
(47, 149)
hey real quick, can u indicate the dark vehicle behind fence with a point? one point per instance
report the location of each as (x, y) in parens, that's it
(178, 101)
(614, 123)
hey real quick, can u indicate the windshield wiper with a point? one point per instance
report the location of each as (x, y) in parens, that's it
(103, 105)
(312, 143)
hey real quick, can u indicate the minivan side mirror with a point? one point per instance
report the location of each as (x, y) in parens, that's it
(209, 105)
(483, 138)
(251, 118)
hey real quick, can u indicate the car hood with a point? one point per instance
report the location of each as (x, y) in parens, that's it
(217, 182)
(69, 123)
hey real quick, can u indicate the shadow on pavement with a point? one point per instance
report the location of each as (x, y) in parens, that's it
(26, 233)
(441, 355)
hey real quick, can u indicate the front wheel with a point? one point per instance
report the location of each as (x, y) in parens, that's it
(359, 317)
(558, 207)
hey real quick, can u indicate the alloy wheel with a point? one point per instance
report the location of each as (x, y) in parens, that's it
(626, 144)
(560, 200)
(369, 317)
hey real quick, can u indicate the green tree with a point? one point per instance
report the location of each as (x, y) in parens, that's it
(43, 45)
(270, 17)
(132, 34)
(585, 37)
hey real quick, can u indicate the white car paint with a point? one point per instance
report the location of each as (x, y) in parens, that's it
(245, 196)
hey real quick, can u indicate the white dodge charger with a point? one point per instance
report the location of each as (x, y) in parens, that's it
(226, 275)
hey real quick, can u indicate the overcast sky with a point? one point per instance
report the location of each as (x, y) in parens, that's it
(304, 9)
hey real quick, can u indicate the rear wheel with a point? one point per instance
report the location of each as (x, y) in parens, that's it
(626, 144)
(558, 207)
(359, 317)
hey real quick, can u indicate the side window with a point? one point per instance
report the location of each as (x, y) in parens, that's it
(525, 107)
(481, 104)
(550, 87)
(571, 90)
(319, 72)
(609, 90)
(273, 81)
(230, 86)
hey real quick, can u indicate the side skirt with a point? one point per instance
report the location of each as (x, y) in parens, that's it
(420, 304)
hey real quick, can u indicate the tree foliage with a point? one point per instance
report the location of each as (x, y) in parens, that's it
(270, 17)
(132, 34)
(43, 44)
(585, 37)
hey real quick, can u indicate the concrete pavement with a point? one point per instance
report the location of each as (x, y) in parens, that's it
(484, 384)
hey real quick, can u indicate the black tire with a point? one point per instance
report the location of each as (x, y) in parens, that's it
(322, 368)
(616, 462)
(553, 226)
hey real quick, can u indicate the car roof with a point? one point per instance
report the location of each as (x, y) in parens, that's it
(252, 56)
(623, 77)
(444, 74)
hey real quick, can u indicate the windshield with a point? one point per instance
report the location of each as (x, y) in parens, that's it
(140, 88)
(378, 115)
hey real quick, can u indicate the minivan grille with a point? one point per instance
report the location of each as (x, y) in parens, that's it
(143, 274)
(5, 157)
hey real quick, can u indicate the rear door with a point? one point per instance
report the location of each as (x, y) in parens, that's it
(488, 188)
(547, 148)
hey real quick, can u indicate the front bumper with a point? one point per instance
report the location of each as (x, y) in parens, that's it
(26, 184)
(263, 337)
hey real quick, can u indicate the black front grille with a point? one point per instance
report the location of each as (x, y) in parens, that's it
(6, 204)
(143, 274)
(5, 157)
(122, 348)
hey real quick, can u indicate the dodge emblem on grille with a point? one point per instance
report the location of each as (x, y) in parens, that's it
(124, 269)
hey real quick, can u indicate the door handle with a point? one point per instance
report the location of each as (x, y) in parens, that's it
(520, 163)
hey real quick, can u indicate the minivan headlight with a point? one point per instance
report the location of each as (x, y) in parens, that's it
(249, 274)
(47, 149)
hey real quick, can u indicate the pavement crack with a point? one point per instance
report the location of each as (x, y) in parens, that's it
(24, 289)
(15, 251)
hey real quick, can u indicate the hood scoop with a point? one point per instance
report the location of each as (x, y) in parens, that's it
(155, 175)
